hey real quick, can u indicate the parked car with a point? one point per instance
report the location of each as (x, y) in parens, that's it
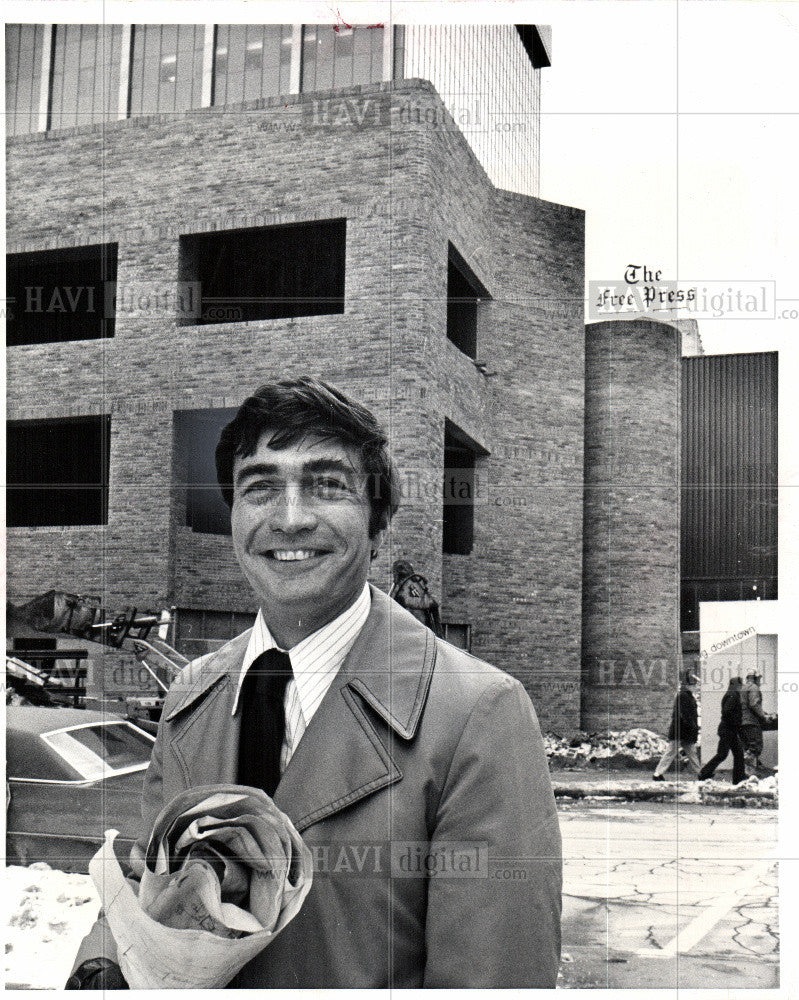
(71, 774)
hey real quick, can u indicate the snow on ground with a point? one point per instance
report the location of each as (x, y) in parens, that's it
(48, 913)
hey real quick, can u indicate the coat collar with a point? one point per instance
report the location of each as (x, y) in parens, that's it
(345, 754)
(389, 666)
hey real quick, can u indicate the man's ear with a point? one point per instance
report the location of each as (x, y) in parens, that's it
(377, 540)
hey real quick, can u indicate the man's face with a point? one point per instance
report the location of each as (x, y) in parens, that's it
(300, 523)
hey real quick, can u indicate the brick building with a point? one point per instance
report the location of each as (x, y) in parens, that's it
(397, 270)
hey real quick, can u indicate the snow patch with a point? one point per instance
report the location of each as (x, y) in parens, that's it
(48, 913)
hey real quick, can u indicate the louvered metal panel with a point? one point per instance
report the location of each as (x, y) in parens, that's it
(729, 479)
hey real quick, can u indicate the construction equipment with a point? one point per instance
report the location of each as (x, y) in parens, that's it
(58, 612)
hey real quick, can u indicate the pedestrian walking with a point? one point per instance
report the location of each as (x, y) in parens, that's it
(729, 732)
(753, 717)
(683, 731)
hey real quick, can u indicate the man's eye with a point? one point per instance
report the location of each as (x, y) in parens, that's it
(331, 487)
(261, 489)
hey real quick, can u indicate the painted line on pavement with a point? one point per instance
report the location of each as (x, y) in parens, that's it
(707, 920)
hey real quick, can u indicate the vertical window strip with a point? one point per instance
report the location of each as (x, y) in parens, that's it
(161, 50)
(219, 93)
(308, 77)
(198, 74)
(123, 83)
(56, 83)
(42, 92)
(397, 63)
(206, 88)
(185, 54)
(134, 71)
(296, 60)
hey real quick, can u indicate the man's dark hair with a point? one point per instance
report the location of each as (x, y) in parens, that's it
(292, 409)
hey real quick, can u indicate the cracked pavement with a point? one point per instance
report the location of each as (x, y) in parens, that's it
(670, 896)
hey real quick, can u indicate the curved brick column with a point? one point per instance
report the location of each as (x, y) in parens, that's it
(631, 549)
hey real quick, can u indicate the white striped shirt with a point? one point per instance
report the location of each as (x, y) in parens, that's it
(314, 662)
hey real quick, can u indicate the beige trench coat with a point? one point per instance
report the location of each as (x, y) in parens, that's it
(422, 788)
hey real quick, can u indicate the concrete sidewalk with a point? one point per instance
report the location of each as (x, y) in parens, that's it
(637, 785)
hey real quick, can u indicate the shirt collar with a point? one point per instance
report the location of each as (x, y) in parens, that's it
(316, 659)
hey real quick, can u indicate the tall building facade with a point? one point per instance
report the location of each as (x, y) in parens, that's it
(488, 76)
(165, 261)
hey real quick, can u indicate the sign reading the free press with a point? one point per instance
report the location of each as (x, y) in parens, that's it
(644, 293)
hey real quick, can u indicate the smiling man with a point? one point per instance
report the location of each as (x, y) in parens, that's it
(415, 773)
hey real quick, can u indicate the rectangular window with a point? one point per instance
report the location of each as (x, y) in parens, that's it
(459, 634)
(339, 56)
(460, 455)
(58, 471)
(85, 74)
(399, 52)
(465, 292)
(196, 436)
(166, 67)
(251, 61)
(60, 295)
(269, 272)
(24, 49)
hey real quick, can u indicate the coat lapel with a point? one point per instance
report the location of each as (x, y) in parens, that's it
(345, 753)
(204, 734)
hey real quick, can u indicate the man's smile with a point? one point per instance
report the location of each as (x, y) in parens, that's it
(293, 555)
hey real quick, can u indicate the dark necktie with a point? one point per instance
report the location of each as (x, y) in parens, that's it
(263, 720)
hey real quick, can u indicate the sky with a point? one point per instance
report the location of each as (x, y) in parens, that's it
(675, 126)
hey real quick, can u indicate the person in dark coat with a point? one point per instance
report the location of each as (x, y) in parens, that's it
(683, 731)
(729, 735)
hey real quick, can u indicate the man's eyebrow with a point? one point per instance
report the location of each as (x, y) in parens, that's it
(257, 469)
(329, 465)
(314, 466)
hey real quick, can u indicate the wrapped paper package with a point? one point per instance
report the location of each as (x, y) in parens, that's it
(225, 871)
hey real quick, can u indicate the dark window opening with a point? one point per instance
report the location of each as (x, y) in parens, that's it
(460, 454)
(270, 272)
(464, 295)
(61, 295)
(58, 471)
(459, 634)
(197, 433)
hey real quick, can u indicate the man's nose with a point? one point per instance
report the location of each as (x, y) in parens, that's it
(292, 510)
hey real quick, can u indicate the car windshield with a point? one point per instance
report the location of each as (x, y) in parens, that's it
(102, 749)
